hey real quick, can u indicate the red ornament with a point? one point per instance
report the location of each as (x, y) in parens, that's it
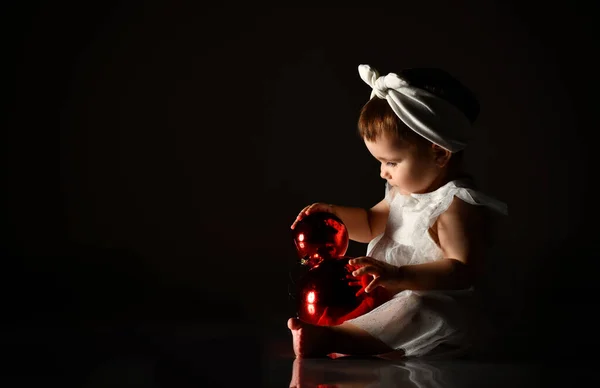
(319, 236)
(328, 294)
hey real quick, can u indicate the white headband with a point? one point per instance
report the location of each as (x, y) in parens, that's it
(432, 117)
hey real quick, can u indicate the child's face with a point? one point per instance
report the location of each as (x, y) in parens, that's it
(411, 169)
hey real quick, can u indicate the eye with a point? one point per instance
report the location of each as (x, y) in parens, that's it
(391, 164)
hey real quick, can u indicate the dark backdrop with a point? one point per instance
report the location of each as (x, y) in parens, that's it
(157, 154)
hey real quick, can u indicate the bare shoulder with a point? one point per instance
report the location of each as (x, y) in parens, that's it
(464, 215)
(462, 231)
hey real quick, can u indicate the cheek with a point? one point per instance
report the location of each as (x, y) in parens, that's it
(403, 170)
(409, 174)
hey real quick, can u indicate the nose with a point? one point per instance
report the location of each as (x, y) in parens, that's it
(384, 173)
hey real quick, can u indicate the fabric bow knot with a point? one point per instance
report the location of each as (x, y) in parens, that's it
(430, 116)
(381, 84)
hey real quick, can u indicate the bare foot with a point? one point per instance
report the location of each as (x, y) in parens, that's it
(310, 340)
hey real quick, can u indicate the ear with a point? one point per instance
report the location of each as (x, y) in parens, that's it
(441, 155)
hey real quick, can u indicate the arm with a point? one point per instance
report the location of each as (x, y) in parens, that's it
(445, 274)
(363, 224)
(460, 234)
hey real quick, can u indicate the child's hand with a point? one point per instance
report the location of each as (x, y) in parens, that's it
(314, 208)
(384, 274)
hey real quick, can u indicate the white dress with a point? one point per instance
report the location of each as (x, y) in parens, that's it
(417, 322)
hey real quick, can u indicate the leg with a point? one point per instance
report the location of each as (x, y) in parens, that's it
(319, 341)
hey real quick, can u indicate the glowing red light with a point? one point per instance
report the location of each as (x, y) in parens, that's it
(310, 297)
(301, 237)
(311, 308)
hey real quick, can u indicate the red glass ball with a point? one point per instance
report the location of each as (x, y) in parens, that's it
(328, 294)
(320, 236)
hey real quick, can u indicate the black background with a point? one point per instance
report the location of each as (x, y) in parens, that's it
(157, 153)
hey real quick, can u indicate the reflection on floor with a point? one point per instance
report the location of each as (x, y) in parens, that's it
(169, 355)
(282, 369)
(341, 373)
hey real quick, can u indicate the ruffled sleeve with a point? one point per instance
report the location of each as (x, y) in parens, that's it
(468, 195)
(478, 198)
(390, 193)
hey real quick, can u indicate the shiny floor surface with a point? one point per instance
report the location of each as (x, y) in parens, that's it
(216, 357)
(420, 374)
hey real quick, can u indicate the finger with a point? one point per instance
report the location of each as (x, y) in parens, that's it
(300, 216)
(350, 268)
(360, 261)
(368, 269)
(359, 272)
(320, 207)
(311, 208)
(350, 272)
(314, 208)
(374, 283)
(303, 213)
